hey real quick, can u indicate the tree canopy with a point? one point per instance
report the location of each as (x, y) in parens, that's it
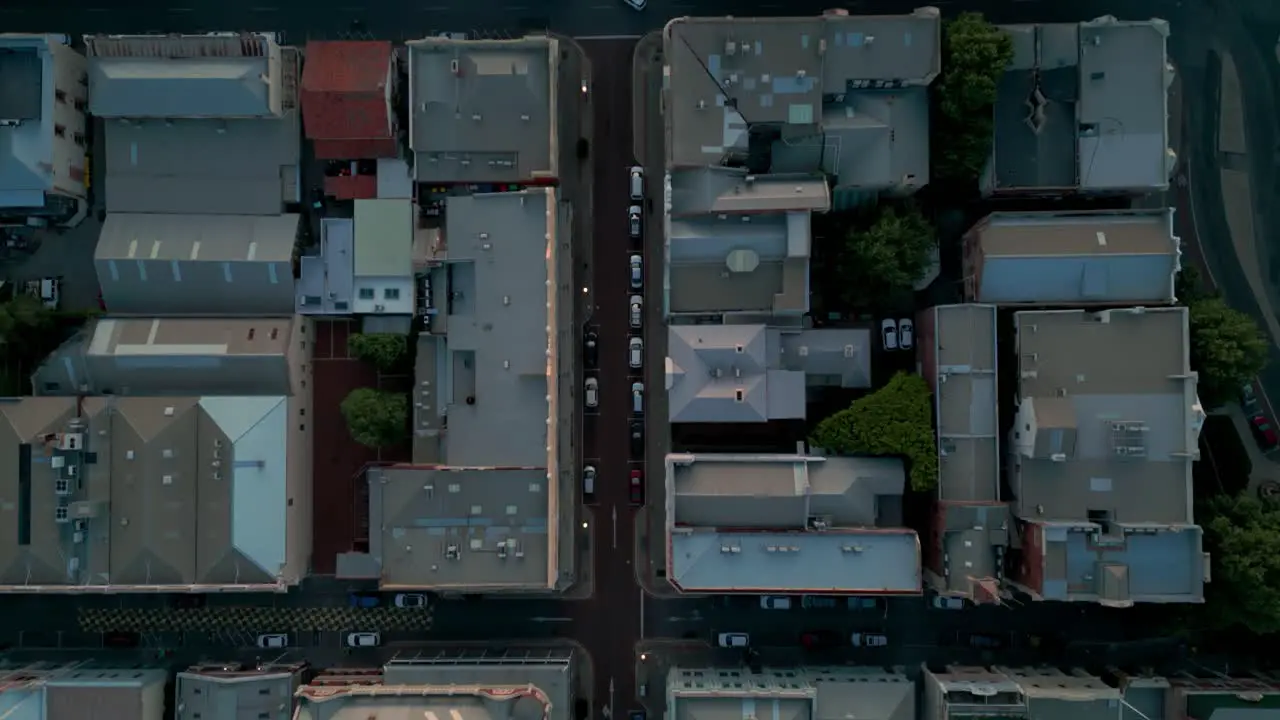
(384, 351)
(1227, 349)
(22, 318)
(897, 419)
(875, 261)
(975, 54)
(376, 419)
(1243, 536)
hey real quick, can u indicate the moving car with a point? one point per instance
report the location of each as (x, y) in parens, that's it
(590, 345)
(733, 640)
(637, 398)
(593, 392)
(633, 221)
(635, 352)
(363, 639)
(889, 334)
(1264, 432)
(637, 272)
(637, 172)
(637, 438)
(942, 602)
(637, 487)
(860, 639)
(906, 333)
(816, 639)
(589, 480)
(273, 640)
(637, 311)
(775, 602)
(411, 600)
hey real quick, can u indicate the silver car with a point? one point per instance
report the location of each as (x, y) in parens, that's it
(633, 221)
(593, 392)
(635, 352)
(637, 311)
(637, 272)
(637, 398)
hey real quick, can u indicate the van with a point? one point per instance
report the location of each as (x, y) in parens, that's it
(637, 183)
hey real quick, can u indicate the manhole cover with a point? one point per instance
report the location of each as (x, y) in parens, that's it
(1269, 490)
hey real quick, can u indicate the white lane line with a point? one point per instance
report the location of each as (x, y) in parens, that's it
(264, 9)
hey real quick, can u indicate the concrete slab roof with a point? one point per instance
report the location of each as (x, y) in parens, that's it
(967, 403)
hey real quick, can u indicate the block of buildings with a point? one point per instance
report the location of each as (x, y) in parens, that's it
(197, 264)
(727, 531)
(484, 111)
(233, 690)
(808, 693)
(970, 528)
(326, 279)
(1106, 430)
(970, 691)
(1083, 108)
(134, 494)
(751, 373)
(348, 89)
(493, 362)
(1104, 257)
(196, 124)
(514, 685)
(177, 356)
(80, 689)
(42, 129)
(383, 274)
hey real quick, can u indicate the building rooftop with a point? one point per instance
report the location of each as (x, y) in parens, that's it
(346, 98)
(972, 541)
(217, 693)
(730, 373)
(1103, 256)
(727, 74)
(197, 238)
(967, 404)
(326, 282)
(190, 336)
(716, 190)
(225, 167)
(384, 238)
(1109, 420)
(1118, 564)
(175, 76)
(137, 492)
(1084, 106)
(26, 140)
(810, 693)
(484, 110)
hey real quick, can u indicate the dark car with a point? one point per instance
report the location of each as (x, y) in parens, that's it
(119, 639)
(987, 641)
(188, 601)
(637, 439)
(590, 349)
(818, 639)
(362, 600)
(637, 487)
(1264, 431)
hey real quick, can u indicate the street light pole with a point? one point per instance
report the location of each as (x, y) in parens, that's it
(615, 527)
(610, 713)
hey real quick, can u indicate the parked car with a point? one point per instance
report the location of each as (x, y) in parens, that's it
(635, 352)
(362, 600)
(818, 639)
(906, 333)
(637, 487)
(818, 602)
(861, 639)
(592, 392)
(1264, 432)
(863, 603)
(775, 602)
(944, 602)
(273, 640)
(633, 221)
(637, 272)
(637, 311)
(363, 639)
(411, 600)
(121, 639)
(637, 172)
(590, 354)
(987, 641)
(589, 481)
(889, 334)
(733, 640)
(1248, 398)
(637, 438)
(637, 398)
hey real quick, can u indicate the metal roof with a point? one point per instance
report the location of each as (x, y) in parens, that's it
(384, 238)
(805, 693)
(729, 373)
(26, 86)
(346, 97)
(964, 355)
(197, 238)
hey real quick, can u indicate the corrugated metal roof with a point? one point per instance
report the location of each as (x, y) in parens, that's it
(344, 97)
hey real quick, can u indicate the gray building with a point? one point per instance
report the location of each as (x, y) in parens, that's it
(231, 691)
(157, 357)
(484, 111)
(789, 524)
(327, 279)
(839, 94)
(1083, 108)
(197, 264)
(42, 128)
(1107, 427)
(957, 345)
(478, 684)
(1100, 257)
(969, 691)
(806, 693)
(68, 690)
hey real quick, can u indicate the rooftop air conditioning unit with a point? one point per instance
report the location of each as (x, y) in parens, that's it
(71, 441)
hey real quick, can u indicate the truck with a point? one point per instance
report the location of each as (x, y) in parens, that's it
(47, 290)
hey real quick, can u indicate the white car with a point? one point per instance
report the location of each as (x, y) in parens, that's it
(906, 333)
(593, 392)
(775, 602)
(733, 640)
(411, 600)
(589, 480)
(942, 602)
(635, 352)
(869, 640)
(274, 640)
(637, 311)
(889, 334)
(636, 4)
(633, 221)
(363, 639)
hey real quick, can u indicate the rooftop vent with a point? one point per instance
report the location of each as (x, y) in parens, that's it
(739, 395)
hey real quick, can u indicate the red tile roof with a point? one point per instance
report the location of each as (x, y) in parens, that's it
(344, 97)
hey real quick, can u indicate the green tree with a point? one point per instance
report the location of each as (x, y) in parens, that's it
(384, 351)
(975, 54)
(376, 419)
(897, 419)
(886, 258)
(1227, 350)
(1189, 286)
(1242, 535)
(23, 320)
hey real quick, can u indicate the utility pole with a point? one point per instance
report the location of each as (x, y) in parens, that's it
(610, 714)
(615, 527)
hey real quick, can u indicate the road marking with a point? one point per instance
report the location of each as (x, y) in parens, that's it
(96, 10)
(181, 10)
(515, 8)
(264, 9)
(434, 8)
(608, 37)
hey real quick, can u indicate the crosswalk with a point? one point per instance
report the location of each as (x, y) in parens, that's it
(255, 619)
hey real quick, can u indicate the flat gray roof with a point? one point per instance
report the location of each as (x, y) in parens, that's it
(729, 373)
(1109, 420)
(472, 528)
(197, 238)
(790, 693)
(26, 76)
(715, 190)
(1120, 566)
(839, 357)
(969, 447)
(730, 73)
(484, 110)
(226, 167)
(720, 264)
(325, 285)
(974, 539)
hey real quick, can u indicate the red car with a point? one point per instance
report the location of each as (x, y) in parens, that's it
(637, 487)
(1264, 431)
(817, 639)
